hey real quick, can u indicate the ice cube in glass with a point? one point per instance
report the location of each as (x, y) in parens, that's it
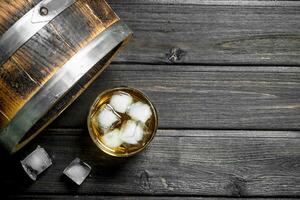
(121, 101)
(112, 139)
(107, 118)
(131, 132)
(140, 111)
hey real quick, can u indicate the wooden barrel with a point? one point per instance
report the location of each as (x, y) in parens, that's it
(50, 51)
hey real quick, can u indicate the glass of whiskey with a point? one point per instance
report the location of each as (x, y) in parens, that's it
(122, 121)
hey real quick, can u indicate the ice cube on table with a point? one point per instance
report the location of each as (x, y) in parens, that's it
(112, 139)
(77, 171)
(140, 112)
(131, 132)
(36, 162)
(120, 101)
(107, 118)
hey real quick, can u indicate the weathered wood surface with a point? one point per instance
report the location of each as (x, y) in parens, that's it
(234, 63)
(191, 32)
(204, 97)
(208, 2)
(97, 197)
(201, 163)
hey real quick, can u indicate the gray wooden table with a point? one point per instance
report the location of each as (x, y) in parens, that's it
(225, 78)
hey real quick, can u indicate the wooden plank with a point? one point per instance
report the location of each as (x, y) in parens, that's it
(209, 2)
(218, 98)
(202, 68)
(191, 33)
(201, 163)
(91, 197)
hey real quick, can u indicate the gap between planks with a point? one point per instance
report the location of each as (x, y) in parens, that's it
(134, 197)
(181, 67)
(195, 133)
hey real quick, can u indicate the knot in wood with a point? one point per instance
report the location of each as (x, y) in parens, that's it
(175, 54)
(144, 180)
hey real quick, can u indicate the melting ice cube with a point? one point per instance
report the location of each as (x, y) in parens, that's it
(77, 171)
(132, 132)
(107, 117)
(139, 111)
(36, 162)
(112, 139)
(121, 101)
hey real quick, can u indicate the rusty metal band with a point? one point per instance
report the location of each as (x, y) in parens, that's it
(28, 25)
(68, 75)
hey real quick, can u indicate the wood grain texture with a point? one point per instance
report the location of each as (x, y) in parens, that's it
(195, 162)
(209, 2)
(97, 197)
(40, 58)
(194, 33)
(15, 85)
(221, 97)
